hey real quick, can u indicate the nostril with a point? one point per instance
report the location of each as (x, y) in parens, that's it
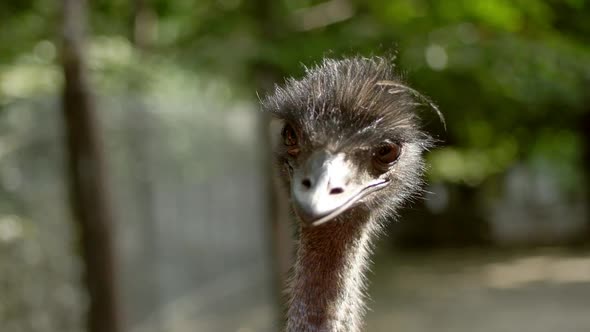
(306, 183)
(336, 191)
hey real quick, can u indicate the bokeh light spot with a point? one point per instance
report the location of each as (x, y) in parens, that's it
(436, 57)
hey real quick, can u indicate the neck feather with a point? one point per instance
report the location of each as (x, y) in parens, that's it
(328, 287)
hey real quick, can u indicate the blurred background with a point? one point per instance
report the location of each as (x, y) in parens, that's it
(193, 234)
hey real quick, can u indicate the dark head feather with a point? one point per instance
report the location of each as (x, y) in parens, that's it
(353, 106)
(355, 100)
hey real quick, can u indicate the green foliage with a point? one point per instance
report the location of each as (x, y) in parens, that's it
(511, 76)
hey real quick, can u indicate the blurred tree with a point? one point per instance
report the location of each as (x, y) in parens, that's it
(265, 75)
(510, 76)
(87, 181)
(139, 123)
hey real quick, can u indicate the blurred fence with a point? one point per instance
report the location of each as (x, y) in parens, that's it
(189, 190)
(191, 231)
(39, 266)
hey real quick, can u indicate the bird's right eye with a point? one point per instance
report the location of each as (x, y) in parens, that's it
(289, 136)
(290, 140)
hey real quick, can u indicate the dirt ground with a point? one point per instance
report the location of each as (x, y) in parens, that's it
(544, 290)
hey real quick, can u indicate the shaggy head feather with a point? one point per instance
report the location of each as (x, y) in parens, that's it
(353, 106)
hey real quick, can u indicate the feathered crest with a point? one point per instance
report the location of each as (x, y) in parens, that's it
(348, 99)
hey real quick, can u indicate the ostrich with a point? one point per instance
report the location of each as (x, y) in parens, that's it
(349, 150)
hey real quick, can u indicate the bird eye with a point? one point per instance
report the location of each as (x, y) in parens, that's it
(290, 140)
(289, 136)
(386, 154)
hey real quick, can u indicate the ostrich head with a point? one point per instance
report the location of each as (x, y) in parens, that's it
(348, 140)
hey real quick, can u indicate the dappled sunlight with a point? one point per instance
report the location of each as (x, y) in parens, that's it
(520, 272)
(553, 269)
(11, 228)
(26, 79)
(472, 166)
(436, 57)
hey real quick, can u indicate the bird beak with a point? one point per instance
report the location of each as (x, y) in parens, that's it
(325, 186)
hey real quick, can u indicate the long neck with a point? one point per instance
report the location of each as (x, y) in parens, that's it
(328, 287)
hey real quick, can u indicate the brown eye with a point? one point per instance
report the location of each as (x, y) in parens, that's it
(290, 140)
(386, 154)
(289, 136)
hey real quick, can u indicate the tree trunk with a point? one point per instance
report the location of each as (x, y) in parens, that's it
(585, 129)
(144, 23)
(141, 131)
(279, 217)
(87, 186)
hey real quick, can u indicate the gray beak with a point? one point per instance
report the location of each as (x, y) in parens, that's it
(325, 186)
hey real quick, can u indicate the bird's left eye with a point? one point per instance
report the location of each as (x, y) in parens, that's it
(386, 154)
